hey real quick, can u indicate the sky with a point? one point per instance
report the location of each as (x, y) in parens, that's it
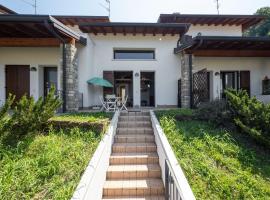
(135, 10)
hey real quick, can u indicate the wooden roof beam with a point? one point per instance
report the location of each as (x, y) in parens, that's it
(29, 42)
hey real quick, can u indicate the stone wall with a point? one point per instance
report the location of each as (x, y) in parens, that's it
(72, 95)
(185, 81)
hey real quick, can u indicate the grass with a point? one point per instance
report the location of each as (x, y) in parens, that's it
(83, 117)
(47, 166)
(218, 164)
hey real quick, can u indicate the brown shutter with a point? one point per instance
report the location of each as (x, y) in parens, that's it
(245, 81)
(109, 76)
(17, 80)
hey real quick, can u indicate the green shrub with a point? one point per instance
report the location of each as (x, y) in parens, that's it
(251, 115)
(4, 112)
(29, 115)
(215, 111)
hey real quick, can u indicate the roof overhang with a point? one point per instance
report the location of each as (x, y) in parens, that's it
(224, 46)
(74, 20)
(198, 19)
(134, 28)
(5, 10)
(36, 26)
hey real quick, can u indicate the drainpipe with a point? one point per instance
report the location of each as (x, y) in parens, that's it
(190, 80)
(64, 61)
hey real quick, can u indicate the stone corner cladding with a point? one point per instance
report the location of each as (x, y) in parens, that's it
(72, 94)
(185, 81)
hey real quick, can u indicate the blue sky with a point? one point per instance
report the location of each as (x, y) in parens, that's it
(136, 10)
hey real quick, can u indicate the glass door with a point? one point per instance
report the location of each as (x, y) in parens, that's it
(148, 89)
(50, 79)
(228, 80)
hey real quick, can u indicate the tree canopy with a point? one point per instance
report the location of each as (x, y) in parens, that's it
(263, 28)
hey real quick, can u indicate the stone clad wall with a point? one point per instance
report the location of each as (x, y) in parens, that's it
(72, 95)
(185, 81)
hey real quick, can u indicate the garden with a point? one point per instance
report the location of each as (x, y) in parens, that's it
(43, 155)
(223, 147)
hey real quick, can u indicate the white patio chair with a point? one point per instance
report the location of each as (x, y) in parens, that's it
(124, 102)
(104, 105)
(111, 102)
(111, 105)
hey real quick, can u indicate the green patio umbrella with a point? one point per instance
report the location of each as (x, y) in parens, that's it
(100, 82)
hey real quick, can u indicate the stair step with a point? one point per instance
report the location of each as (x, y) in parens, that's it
(133, 171)
(134, 124)
(134, 138)
(143, 187)
(134, 147)
(134, 158)
(138, 131)
(134, 118)
(134, 198)
(135, 114)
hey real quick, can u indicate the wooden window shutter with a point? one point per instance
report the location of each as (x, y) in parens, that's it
(109, 76)
(245, 81)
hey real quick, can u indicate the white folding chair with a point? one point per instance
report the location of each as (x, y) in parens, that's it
(104, 105)
(124, 102)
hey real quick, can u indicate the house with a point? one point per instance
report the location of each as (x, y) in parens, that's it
(179, 60)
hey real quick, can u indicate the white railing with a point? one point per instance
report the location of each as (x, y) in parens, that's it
(92, 181)
(176, 184)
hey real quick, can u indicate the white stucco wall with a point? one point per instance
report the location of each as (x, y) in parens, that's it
(258, 67)
(213, 30)
(33, 56)
(97, 57)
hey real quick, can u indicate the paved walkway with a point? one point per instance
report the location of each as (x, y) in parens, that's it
(134, 171)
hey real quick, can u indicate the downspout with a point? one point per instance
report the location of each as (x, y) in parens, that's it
(190, 80)
(64, 61)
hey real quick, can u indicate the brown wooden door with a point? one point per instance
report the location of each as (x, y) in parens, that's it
(245, 81)
(17, 80)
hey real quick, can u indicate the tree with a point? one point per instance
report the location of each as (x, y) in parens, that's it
(263, 28)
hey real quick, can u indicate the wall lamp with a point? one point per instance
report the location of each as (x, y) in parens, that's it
(33, 69)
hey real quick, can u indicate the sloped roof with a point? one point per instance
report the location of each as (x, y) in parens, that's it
(134, 28)
(200, 19)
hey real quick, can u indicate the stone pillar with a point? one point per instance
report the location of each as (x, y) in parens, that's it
(185, 80)
(72, 94)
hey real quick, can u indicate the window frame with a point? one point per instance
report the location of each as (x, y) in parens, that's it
(152, 51)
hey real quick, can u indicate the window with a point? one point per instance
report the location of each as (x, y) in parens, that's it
(134, 54)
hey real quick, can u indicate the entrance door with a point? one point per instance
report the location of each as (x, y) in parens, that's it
(148, 89)
(17, 80)
(123, 85)
(228, 80)
(50, 79)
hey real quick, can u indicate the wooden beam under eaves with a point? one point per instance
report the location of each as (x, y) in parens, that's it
(29, 42)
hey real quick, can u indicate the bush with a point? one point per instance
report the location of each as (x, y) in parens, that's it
(4, 113)
(215, 111)
(29, 115)
(251, 115)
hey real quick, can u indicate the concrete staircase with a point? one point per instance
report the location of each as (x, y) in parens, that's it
(134, 171)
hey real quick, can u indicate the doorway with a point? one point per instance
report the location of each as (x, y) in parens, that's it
(17, 80)
(148, 89)
(123, 85)
(50, 79)
(228, 80)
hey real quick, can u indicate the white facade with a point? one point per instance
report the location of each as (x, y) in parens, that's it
(100, 48)
(213, 30)
(37, 57)
(97, 56)
(259, 68)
